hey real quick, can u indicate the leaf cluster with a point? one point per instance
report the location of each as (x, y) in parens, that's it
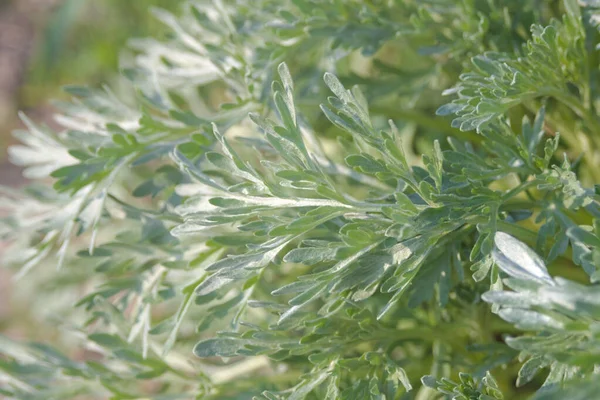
(274, 210)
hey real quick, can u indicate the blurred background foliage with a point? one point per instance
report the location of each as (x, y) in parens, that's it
(72, 42)
(48, 44)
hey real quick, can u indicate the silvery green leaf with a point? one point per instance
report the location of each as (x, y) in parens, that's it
(529, 320)
(529, 369)
(510, 299)
(223, 347)
(518, 260)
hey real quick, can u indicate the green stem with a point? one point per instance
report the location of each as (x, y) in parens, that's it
(518, 189)
(520, 205)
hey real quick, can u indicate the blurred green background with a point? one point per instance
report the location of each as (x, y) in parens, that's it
(50, 43)
(46, 44)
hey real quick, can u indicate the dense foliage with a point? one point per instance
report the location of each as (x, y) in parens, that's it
(253, 218)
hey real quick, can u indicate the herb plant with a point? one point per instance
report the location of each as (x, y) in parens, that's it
(320, 200)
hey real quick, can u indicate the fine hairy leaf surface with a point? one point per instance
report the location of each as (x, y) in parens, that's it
(319, 200)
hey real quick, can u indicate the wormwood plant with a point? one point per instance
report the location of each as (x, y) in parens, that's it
(252, 218)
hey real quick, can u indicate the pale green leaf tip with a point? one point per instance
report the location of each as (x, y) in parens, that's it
(518, 260)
